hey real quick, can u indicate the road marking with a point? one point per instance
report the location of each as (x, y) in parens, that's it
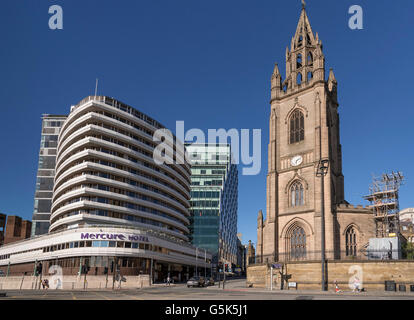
(101, 295)
(133, 297)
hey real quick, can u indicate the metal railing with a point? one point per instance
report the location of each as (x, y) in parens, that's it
(308, 256)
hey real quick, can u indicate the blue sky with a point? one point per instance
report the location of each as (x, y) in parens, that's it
(209, 64)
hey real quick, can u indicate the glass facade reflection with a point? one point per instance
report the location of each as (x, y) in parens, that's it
(214, 192)
(46, 172)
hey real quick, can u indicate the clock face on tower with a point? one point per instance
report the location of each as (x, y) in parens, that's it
(296, 161)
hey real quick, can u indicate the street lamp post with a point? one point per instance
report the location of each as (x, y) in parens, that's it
(196, 261)
(205, 263)
(322, 170)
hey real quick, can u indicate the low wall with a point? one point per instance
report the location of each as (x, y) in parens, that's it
(307, 275)
(72, 282)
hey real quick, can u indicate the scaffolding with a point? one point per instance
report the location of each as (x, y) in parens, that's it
(384, 203)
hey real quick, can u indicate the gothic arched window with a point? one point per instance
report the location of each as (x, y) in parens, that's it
(296, 194)
(297, 127)
(299, 78)
(310, 59)
(299, 61)
(297, 244)
(308, 39)
(351, 242)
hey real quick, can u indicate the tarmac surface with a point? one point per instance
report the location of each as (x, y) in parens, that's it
(234, 290)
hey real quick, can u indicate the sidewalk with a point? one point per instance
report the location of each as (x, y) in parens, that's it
(239, 286)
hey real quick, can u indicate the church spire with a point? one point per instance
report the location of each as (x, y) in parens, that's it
(305, 61)
(304, 34)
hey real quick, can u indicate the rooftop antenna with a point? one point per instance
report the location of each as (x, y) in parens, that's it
(96, 87)
(303, 4)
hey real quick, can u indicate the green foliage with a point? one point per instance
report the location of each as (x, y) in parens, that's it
(408, 250)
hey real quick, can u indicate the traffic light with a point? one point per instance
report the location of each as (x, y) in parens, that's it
(39, 269)
(226, 268)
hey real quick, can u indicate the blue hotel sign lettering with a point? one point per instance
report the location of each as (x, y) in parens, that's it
(113, 236)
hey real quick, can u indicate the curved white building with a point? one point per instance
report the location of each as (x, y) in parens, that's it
(105, 173)
(111, 201)
(407, 215)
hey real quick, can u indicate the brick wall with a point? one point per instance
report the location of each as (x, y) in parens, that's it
(2, 227)
(17, 229)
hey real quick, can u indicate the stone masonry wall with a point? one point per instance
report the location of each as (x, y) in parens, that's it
(307, 275)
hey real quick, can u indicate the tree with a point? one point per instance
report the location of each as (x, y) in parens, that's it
(408, 250)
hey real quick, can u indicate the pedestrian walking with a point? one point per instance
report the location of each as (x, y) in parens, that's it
(337, 289)
(168, 280)
(357, 285)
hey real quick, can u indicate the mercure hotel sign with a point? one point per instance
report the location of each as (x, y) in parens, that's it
(113, 236)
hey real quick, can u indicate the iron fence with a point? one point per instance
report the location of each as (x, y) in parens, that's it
(329, 255)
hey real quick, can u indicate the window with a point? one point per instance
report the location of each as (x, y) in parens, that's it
(299, 61)
(300, 41)
(351, 242)
(299, 78)
(297, 241)
(96, 243)
(296, 194)
(310, 59)
(297, 127)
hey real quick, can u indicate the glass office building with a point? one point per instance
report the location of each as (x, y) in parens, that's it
(214, 192)
(51, 125)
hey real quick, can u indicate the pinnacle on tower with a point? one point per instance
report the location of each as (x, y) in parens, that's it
(332, 83)
(332, 78)
(260, 216)
(276, 71)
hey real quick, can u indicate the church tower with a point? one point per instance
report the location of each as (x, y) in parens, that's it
(304, 129)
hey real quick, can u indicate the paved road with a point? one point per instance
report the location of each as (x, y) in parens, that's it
(234, 290)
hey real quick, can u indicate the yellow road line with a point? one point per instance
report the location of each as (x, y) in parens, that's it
(133, 297)
(102, 296)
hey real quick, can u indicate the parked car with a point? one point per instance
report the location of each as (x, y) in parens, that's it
(196, 282)
(210, 282)
(2, 273)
